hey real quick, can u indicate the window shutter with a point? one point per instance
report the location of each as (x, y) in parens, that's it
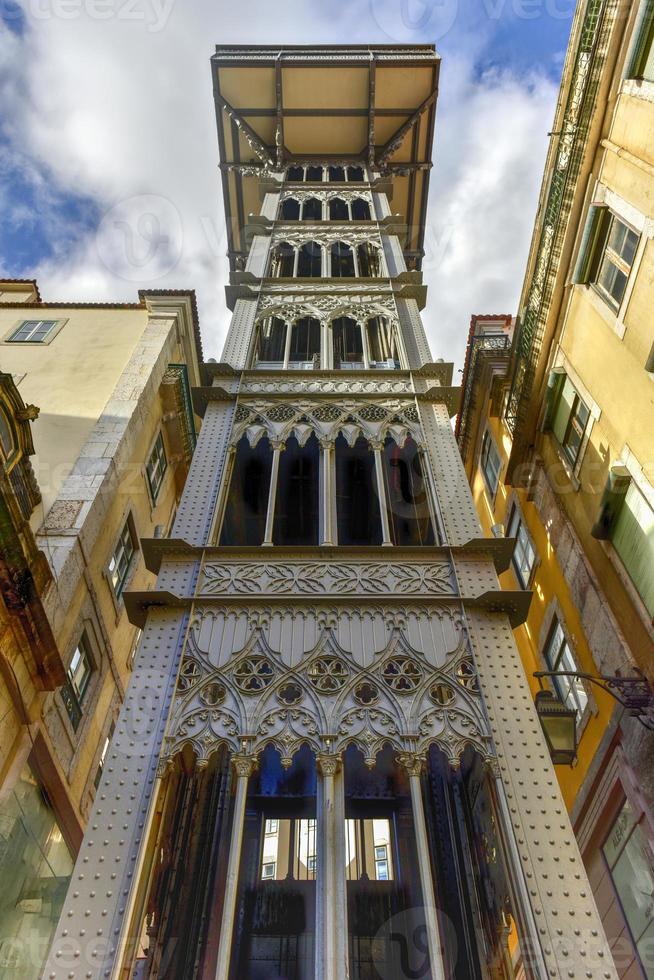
(641, 63)
(612, 501)
(563, 410)
(554, 382)
(595, 230)
(633, 539)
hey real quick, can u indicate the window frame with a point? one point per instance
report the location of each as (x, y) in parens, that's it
(517, 516)
(623, 565)
(127, 526)
(72, 695)
(553, 663)
(642, 48)
(607, 254)
(564, 444)
(154, 490)
(488, 440)
(56, 326)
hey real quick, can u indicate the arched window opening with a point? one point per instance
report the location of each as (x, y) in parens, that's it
(290, 210)
(407, 498)
(278, 869)
(348, 343)
(282, 261)
(338, 210)
(310, 261)
(383, 343)
(357, 500)
(272, 341)
(336, 174)
(295, 173)
(342, 260)
(247, 501)
(314, 174)
(305, 343)
(312, 209)
(355, 174)
(297, 498)
(369, 261)
(360, 210)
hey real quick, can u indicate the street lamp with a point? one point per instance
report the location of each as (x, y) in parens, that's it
(559, 725)
(560, 722)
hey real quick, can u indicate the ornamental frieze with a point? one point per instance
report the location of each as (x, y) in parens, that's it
(327, 578)
(327, 386)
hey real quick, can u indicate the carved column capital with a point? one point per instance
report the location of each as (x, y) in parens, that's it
(328, 763)
(376, 445)
(326, 443)
(244, 765)
(412, 762)
(278, 445)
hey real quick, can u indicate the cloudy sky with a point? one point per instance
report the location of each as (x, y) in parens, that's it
(108, 151)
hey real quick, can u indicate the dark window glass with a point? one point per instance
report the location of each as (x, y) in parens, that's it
(282, 261)
(491, 463)
(381, 340)
(357, 500)
(338, 209)
(406, 495)
(310, 261)
(314, 173)
(360, 210)
(247, 501)
(296, 503)
(290, 209)
(312, 209)
(570, 420)
(524, 556)
(336, 174)
(342, 260)
(559, 657)
(272, 339)
(355, 174)
(369, 262)
(295, 173)
(348, 342)
(305, 339)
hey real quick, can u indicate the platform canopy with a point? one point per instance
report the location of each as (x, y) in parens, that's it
(373, 105)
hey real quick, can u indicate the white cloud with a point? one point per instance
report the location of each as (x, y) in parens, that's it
(123, 113)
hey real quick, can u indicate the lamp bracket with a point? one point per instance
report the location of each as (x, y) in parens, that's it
(633, 693)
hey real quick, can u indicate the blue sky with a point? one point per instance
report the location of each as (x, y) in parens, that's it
(107, 105)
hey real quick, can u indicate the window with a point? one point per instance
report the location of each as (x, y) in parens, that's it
(606, 255)
(406, 495)
(312, 209)
(641, 65)
(360, 210)
(490, 464)
(156, 466)
(381, 863)
(369, 261)
(342, 260)
(616, 262)
(368, 841)
(295, 173)
(282, 261)
(310, 260)
(121, 560)
(629, 859)
(290, 210)
(633, 539)
(298, 494)
(559, 656)
(570, 419)
(271, 826)
(314, 174)
(348, 343)
(355, 174)
(247, 500)
(357, 498)
(103, 754)
(336, 174)
(79, 674)
(524, 556)
(32, 332)
(338, 209)
(6, 435)
(268, 870)
(289, 852)
(272, 341)
(305, 342)
(383, 346)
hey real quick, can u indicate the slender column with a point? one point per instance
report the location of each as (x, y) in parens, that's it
(278, 448)
(355, 258)
(363, 326)
(413, 764)
(244, 766)
(331, 870)
(287, 344)
(377, 448)
(327, 492)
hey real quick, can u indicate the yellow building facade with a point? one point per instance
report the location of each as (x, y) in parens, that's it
(557, 435)
(96, 433)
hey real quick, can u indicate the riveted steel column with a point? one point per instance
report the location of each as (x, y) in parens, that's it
(330, 895)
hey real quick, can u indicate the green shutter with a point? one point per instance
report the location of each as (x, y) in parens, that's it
(563, 410)
(594, 236)
(612, 502)
(633, 539)
(641, 63)
(554, 383)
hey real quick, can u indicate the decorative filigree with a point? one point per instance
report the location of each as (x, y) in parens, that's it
(442, 694)
(189, 674)
(467, 676)
(366, 694)
(253, 674)
(369, 729)
(328, 674)
(402, 674)
(290, 694)
(288, 729)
